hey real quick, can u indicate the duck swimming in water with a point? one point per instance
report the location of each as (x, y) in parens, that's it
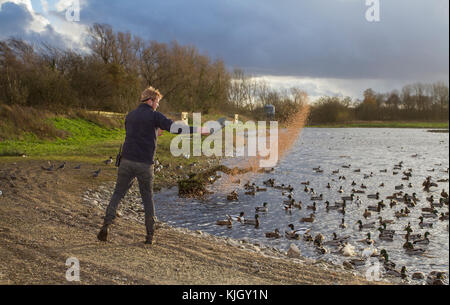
(401, 213)
(409, 249)
(374, 196)
(385, 221)
(413, 237)
(385, 259)
(274, 234)
(368, 240)
(384, 236)
(253, 222)
(233, 196)
(424, 241)
(328, 207)
(367, 214)
(311, 218)
(228, 222)
(392, 203)
(394, 272)
(297, 205)
(369, 225)
(262, 209)
(295, 234)
(443, 217)
(424, 224)
(239, 218)
(312, 207)
(348, 198)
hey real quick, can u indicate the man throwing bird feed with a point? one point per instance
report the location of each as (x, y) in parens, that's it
(142, 125)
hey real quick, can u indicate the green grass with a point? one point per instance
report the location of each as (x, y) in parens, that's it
(434, 125)
(87, 142)
(85, 138)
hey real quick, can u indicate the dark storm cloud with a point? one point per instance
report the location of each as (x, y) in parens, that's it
(315, 38)
(14, 19)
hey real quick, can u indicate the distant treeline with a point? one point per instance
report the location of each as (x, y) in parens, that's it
(415, 102)
(117, 66)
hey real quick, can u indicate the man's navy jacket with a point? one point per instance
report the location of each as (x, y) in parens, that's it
(141, 126)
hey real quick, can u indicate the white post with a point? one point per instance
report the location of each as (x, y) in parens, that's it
(184, 117)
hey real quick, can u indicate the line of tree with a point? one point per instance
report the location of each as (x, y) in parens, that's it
(417, 101)
(117, 67)
(250, 95)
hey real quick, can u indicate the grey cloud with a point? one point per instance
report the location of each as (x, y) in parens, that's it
(311, 38)
(315, 38)
(15, 21)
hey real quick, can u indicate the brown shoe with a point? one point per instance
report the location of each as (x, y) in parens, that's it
(103, 234)
(149, 239)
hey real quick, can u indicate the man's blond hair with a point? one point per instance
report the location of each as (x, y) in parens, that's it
(150, 93)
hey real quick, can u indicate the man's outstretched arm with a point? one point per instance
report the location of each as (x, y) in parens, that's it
(167, 124)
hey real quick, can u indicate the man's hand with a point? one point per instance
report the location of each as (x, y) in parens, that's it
(160, 132)
(204, 131)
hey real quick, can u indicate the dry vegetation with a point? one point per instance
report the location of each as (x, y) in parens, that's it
(416, 102)
(119, 66)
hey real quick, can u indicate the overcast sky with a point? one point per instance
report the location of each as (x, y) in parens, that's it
(326, 47)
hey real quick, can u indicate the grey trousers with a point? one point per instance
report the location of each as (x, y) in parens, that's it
(128, 170)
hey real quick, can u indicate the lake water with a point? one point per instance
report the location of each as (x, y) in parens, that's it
(369, 150)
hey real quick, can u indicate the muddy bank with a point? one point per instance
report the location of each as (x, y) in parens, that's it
(47, 217)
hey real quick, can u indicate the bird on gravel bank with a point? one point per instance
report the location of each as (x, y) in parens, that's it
(96, 173)
(62, 166)
(50, 168)
(109, 161)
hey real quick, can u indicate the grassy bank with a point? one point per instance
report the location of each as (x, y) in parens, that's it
(383, 124)
(88, 140)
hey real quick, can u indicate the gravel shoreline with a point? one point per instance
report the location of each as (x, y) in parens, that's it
(131, 209)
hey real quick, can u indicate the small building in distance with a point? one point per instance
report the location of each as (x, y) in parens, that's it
(269, 111)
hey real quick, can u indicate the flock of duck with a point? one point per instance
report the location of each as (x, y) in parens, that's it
(401, 202)
(51, 167)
